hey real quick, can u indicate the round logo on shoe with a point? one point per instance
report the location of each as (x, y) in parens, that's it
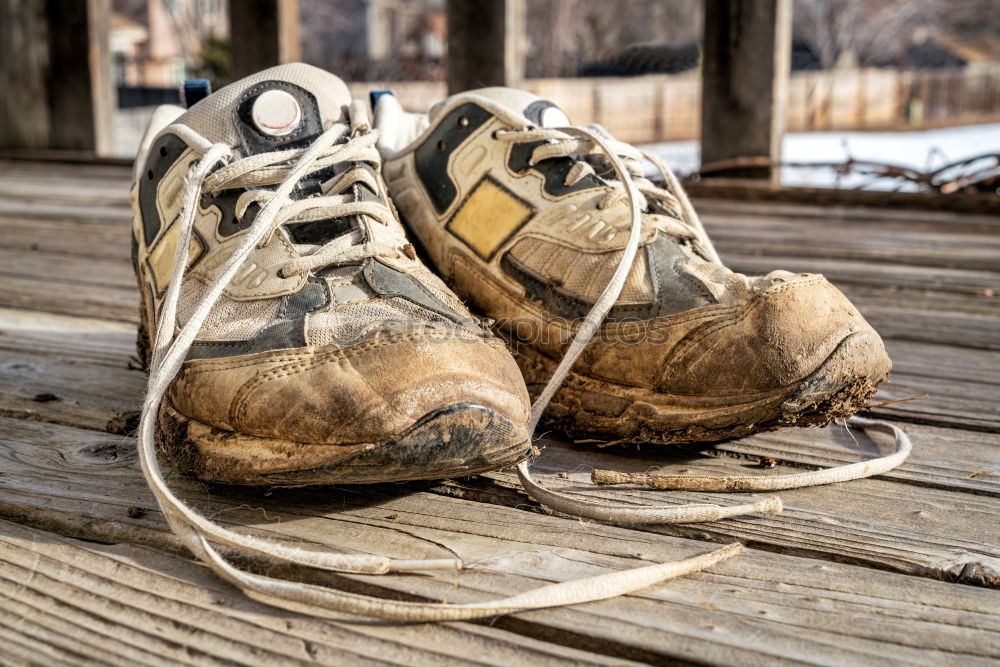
(276, 113)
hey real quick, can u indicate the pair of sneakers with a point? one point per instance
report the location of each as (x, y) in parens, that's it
(295, 334)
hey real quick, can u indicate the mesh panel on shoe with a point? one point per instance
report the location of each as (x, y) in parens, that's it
(350, 323)
(583, 275)
(228, 320)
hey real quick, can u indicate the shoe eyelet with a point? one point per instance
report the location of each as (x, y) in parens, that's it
(496, 134)
(163, 151)
(463, 121)
(149, 174)
(442, 145)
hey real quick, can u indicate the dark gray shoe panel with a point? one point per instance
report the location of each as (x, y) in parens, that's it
(162, 156)
(676, 290)
(431, 157)
(558, 303)
(388, 282)
(553, 170)
(286, 332)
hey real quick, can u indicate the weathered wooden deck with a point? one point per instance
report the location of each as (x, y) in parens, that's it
(898, 569)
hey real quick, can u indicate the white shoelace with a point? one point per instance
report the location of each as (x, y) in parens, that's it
(626, 160)
(170, 349)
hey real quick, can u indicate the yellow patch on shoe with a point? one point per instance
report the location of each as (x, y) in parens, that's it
(488, 217)
(161, 257)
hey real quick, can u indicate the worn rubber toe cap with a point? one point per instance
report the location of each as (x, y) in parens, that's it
(371, 392)
(777, 338)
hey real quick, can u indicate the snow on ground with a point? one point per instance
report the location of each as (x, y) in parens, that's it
(923, 150)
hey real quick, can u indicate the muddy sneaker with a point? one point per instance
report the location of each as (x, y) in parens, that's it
(534, 225)
(309, 343)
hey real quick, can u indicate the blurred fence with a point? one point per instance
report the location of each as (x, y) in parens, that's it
(668, 108)
(648, 109)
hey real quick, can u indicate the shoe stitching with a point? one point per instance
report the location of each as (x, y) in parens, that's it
(238, 404)
(199, 366)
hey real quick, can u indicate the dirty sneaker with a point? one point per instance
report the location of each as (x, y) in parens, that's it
(534, 221)
(325, 352)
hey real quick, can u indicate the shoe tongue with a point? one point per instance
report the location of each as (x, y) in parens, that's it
(278, 108)
(535, 110)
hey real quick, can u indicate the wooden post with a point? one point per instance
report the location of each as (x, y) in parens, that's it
(24, 59)
(263, 33)
(484, 43)
(747, 52)
(55, 71)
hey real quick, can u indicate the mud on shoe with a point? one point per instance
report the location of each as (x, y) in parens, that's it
(528, 217)
(331, 355)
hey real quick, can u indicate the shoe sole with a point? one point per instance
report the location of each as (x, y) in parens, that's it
(586, 407)
(455, 441)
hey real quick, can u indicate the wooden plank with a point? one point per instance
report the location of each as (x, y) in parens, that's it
(24, 117)
(100, 242)
(107, 170)
(71, 271)
(925, 316)
(80, 483)
(855, 218)
(943, 458)
(19, 649)
(56, 296)
(809, 211)
(784, 237)
(67, 370)
(944, 361)
(83, 192)
(962, 385)
(32, 208)
(744, 80)
(853, 272)
(750, 190)
(971, 405)
(133, 605)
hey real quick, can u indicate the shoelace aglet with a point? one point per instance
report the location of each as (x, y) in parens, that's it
(772, 505)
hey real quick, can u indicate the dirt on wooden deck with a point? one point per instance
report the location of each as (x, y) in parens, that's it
(901, 568)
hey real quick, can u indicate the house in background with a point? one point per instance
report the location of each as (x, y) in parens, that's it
(127, 41)
(156, 42)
